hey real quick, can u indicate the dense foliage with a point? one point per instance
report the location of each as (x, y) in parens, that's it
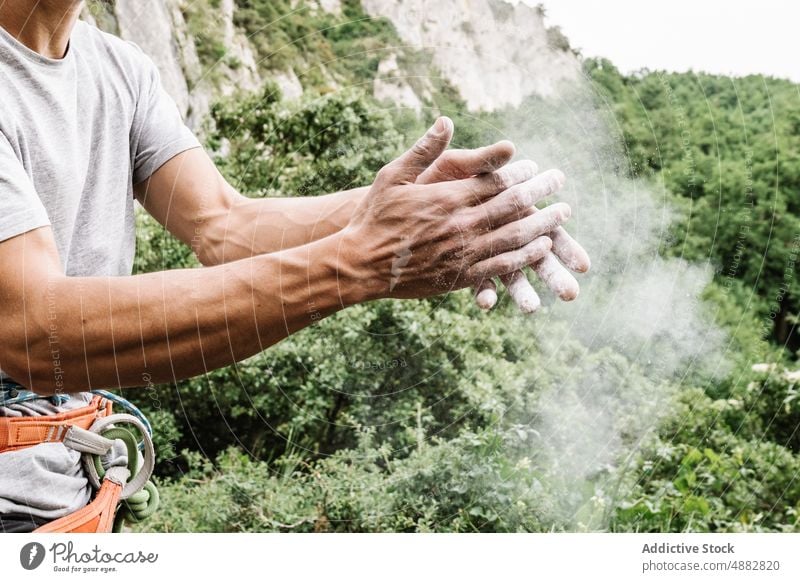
(729, 149)
(426, 416)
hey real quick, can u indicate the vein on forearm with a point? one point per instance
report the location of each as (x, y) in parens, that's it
(258, 226)
(113, 331)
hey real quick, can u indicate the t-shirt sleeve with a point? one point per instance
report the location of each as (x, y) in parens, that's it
(158, 133)
(21, 209)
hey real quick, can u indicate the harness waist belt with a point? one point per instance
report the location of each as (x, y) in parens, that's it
(26, 431)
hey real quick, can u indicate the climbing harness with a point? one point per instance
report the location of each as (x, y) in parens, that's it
(122, 493)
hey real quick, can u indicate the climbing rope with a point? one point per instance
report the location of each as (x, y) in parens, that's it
(138, 497)
(127, 405)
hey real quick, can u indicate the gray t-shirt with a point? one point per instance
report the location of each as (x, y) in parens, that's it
(75, 135)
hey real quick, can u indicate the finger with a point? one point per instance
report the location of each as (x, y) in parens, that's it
(481, 188)
(569, 251)
(486, 294)
(422, 154)
(520, 232)
(516, 202)
(459, 164)
(557, 278)
(521, 291)
(511, 261)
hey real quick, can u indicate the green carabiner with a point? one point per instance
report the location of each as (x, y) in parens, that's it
(131, 445)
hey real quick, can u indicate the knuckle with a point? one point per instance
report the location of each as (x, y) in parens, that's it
(493, 183)
(500, 180)
(477, 249)
(555, 219)
(475, 273)
(536, 251)
(457, 224)
(385, 172)
(519, 199)
(460, 222)
(507, 263)
(446, 166)
(473, 221)
(547, 221)
(421, 149)
(553, 183)
(518, 237)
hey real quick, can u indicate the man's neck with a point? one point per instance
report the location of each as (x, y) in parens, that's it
(43, 26)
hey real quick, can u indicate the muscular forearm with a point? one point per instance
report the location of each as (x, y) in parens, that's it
(84, 333)
(197, 205)
(257, 226)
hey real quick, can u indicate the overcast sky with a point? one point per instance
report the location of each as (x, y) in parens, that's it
(726, 37)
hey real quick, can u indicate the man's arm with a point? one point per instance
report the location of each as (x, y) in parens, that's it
(195, 203)
(74, 333)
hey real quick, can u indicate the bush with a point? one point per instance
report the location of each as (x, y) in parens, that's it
(431, 416)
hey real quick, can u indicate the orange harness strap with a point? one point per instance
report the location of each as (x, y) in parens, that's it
(97, 517)
(26, 431)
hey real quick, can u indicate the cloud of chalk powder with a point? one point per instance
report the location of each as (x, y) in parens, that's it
(639, 317)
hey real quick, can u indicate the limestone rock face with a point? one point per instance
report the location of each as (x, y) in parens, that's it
(245, 77)
(391, 86)
(161, 31)
(149, 24)
(334, 6)
(289, 84)
(493, 52)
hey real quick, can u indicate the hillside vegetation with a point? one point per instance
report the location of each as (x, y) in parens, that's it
(422, 416)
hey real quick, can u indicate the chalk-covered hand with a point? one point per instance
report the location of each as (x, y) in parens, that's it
(459, 164)
(410, 240)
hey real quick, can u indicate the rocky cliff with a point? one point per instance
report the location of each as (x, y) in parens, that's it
(492, 52)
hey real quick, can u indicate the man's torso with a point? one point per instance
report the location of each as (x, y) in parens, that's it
(69, 123)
